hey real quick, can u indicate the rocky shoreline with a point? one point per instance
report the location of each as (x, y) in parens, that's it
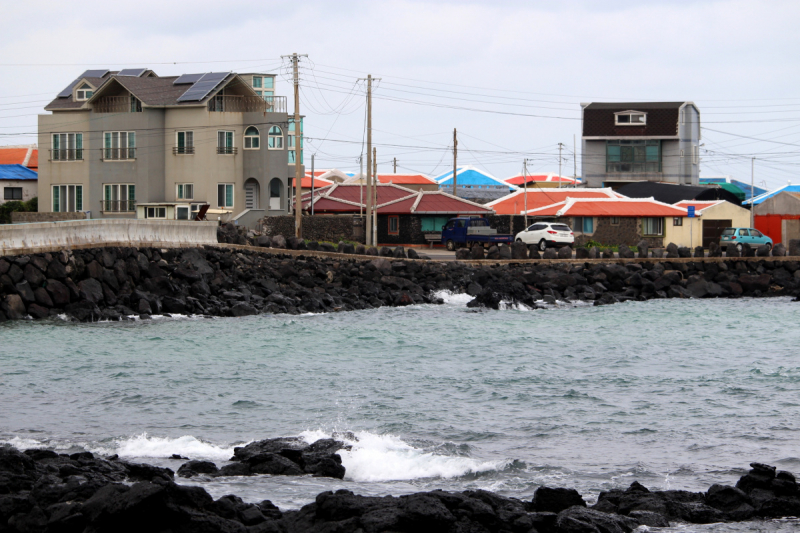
(115, 283)
(43, 491)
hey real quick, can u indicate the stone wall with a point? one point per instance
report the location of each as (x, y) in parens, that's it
(628, 231)
(321, 228)
(26, 217)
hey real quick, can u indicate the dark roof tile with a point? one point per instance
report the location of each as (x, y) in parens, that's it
(662, 119)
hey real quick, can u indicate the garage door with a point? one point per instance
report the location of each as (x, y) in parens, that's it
(712, 231)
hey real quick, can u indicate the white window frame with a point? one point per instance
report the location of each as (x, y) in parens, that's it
(630, 115)
(277, 137)
(188, 147)
(248, 139)
(677, 221)
(81, 94)
(233, 195)
(660, 225)
(695, 154)
(128, 151)
(118, 188)
(66, 188)
(156, 210)
(188, 208)
(226, 150)
(71, 152)
(184, 191)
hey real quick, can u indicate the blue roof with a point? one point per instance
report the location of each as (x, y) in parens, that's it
(787, 188)
(471, 176)
(745, 187)
(17, 172)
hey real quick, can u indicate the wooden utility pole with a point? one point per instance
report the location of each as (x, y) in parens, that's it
(298, 150)
(574, 161)
(375, 200)
(369, 160)
(560, 145)
(394, 164)
(455, 162)
(525, 190)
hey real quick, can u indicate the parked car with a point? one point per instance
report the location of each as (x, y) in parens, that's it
(544, 234)
(740, 236)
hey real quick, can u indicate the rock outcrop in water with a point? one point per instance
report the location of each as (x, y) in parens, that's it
(116, 283)
(45, 492)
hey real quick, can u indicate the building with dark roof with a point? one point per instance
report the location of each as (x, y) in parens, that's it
(670, 193)
(115, 140)
(640, 141)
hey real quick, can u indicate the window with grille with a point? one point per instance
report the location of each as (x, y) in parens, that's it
(184, 142)
(67, 147)
(119, 197)
(225, 142)
(633, 156)
(119, 145)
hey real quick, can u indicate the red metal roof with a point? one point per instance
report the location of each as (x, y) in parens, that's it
(520, 179)
(13, 156)
(406, 179)
(305, 183)
(445, 203)
(616, 207)
(514, 203)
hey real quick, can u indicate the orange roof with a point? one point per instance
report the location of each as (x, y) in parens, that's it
(305, 183)
(609, 207)
(406, 179)
(519, 179)
(514, 203)
(13, 156)
(33, 162)
(699, 206)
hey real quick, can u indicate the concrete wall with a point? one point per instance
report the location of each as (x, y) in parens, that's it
(782, 203)
(30, 189)
(82, 232)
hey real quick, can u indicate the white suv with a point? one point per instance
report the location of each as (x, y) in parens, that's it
(544, 234)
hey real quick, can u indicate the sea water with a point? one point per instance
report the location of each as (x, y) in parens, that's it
(676, 394)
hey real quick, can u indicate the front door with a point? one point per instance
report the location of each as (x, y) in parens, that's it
(250, 196)
(712, 231)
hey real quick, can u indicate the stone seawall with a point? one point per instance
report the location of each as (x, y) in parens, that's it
(225, 280)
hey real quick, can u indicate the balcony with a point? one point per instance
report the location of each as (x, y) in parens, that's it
(117, 104)
(118, 154)
(226, 150)
(247, 104)
(183, 150)
(70, 154)
(117, 206)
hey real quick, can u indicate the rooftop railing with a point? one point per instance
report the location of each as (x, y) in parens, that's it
(117, 104)
(247, 104)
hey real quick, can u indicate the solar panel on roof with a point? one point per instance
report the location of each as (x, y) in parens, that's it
(94, 73)
(214, 76)
(205, 85)
(136, 72)
(187, 78)
(87, 74)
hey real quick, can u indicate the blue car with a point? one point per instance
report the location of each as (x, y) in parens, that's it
(741, 236)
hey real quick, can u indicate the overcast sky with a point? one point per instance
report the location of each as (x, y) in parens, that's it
(508, 74)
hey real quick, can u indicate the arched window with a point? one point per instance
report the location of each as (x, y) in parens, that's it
(275, 193)
(275, 138)
(252, 138)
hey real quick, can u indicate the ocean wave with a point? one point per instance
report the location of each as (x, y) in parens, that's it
(146, 446)
(459, 299)
(375, 458)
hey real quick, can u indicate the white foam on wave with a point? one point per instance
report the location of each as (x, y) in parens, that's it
(146, 446)
(453, 298)
(22, 443)
(388, 458)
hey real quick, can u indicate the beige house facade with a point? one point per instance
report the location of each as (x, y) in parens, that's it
(115, 140)
(707, 224)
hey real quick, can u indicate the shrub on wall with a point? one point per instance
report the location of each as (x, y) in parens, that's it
(7, 208)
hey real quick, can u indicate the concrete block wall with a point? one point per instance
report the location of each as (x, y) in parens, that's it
(26, 217)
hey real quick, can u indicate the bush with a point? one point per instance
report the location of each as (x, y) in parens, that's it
(7, 208)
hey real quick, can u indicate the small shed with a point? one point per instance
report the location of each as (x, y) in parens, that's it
(778, 216)
(18, 182)
(711, 217)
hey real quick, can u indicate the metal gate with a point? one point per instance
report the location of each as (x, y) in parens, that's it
(712, 231)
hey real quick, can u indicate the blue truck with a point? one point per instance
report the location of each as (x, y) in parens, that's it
(466, 231)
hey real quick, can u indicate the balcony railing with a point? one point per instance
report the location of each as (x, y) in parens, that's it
(226, 150)
(117, 104)
(118, 154)
(117, 206)
(69, 154)
(181, 150)
(248, 104)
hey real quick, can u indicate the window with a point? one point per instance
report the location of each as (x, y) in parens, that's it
(584, 224)
(251, 138)
(136, 105)
(12, 193)
(119, 198)
(119, 145)
(744, 233)
(67, 147)
(225, 194)
(755, 233)
(185, 191)
(677, 221)
(394, 225)
(537, 227)
(695, 154)
(275, 139)
(291, 141)
(84, 92)
(184, 142)
(433, 224)
(155, 212)
(195, 210)
(182, 212)
(633, 156)
(275, 188)
(225, 143)
(67, 198)
(257, 82)
(652, 226)
(615, 221)
(630, 118)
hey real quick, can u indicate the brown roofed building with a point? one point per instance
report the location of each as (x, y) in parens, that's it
(640, 141)
(132, 144)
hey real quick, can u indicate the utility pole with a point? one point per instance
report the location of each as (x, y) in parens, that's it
(312, 181)
(574, 161)
(395, 165)
(525, 190)
(298, 147)
(375, 200)
(361, 187)
(560, 145)
(369, 159)
(752, 190)
(455, 162)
